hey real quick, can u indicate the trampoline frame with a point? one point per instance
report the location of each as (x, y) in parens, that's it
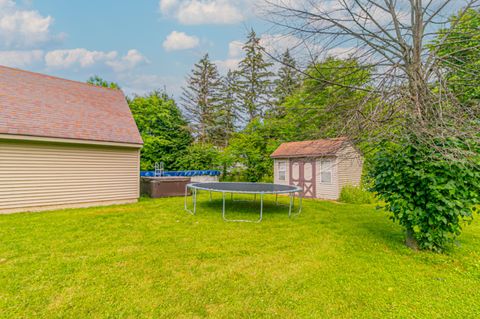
(195, 187)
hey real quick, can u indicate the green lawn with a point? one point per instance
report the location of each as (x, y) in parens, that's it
(152, 259)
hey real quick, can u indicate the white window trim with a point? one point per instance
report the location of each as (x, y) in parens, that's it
(322, 160)
(284, 170)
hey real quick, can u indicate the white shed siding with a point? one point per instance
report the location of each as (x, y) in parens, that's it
(276, 180)
(350, 166)
(38, 176)
(327, 190)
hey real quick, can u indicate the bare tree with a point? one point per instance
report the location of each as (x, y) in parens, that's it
(408, 96)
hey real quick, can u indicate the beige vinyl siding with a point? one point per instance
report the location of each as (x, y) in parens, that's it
(327, 190)
(350, 167)
(276, 179)
(37, 176)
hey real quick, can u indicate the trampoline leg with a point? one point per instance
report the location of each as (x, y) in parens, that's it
(291, 205)
(261, 208)
(194, 197)
(194, 201)
(300, 203)
(300, 197)
(210, 196)
(223, 205)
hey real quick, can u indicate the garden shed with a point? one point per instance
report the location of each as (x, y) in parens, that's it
(321, 167)
(64, 144)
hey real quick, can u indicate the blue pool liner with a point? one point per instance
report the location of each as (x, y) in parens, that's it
(182, 173)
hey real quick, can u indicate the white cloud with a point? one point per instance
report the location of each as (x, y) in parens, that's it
(64, 59)
(276, 44)
(180, 41)
(235, 49)
(144, 83)
(19, 59)
(132, 59)
(167, 5)
(83, 58)
(23, 28)
(228, 64)
(194, 12)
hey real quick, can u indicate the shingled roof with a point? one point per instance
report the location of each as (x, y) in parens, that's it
(39, 105)
(324, 147)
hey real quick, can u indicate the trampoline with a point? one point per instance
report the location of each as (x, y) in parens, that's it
(244, 188)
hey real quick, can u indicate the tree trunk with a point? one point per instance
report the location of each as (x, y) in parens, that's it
(410, 240)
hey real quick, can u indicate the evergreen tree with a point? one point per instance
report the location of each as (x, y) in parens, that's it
(288, 80)
(228, 115)
(254, 83)
(200, 99)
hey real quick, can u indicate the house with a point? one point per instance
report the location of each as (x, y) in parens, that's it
(64, 144)
(321, 167)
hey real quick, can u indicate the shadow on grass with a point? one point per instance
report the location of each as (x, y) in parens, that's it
(392, 238)
(244, 207)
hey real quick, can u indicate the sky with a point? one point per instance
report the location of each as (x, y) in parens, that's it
(141, 44)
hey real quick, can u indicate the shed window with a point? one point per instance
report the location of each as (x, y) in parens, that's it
(326, 171)
(282, 171)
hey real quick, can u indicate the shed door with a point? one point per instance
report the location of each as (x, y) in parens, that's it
(302, 173)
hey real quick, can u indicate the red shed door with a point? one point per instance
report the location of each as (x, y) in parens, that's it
(302, 173)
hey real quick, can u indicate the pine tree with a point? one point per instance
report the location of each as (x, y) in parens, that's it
(288, 80)
(228, 114)
(254, 83)
(200, 99)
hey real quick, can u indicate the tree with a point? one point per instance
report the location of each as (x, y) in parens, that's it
(200, 100)
(459, 54)
(319, 107)
(200, 157)
(98, 81)
(228, 113)
(251, 148)
(408, 106)
(287, 82)
(254, 83)
(428, 197)
(164, 130)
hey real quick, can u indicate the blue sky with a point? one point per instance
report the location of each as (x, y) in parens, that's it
(142, 45)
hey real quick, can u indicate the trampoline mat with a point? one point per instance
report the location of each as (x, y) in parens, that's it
(253, 188)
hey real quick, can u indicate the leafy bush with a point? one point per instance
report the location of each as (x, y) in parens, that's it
(163, 129)
(356, 195)
(251, 149)
(428, 195)
(199, 156)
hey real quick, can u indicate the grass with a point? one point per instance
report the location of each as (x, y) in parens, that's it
(152, 259)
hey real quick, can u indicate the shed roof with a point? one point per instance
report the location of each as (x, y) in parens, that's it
(323, 147)
(33, 104)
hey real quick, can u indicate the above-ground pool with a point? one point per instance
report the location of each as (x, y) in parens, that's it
(181, 173)
(196, 176)
(172, 183)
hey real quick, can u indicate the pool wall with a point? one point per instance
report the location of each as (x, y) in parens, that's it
(196, 176)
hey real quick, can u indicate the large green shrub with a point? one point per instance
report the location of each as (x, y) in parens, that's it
(250, 150)
(356, 195)
(431, 197)
(200, 156)
(164, 130)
